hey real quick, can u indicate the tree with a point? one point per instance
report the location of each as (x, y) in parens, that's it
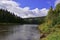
(7, 17)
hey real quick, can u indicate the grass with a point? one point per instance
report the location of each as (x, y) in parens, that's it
(49, 33)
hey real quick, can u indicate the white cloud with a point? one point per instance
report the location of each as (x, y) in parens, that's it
(40, 12)
(56, 2)
(25, 12)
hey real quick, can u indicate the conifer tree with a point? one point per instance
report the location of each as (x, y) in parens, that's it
(49, 17)
(8, 17)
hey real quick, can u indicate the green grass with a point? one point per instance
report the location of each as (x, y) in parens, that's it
(53, 33)
(53, 36)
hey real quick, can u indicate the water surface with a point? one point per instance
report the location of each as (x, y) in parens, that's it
(19, 32)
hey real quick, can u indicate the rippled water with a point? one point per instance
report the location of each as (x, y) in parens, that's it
(19, 32)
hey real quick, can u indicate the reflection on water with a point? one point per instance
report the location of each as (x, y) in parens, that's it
(19, 32)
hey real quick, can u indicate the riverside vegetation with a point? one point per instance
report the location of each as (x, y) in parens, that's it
(50, 29)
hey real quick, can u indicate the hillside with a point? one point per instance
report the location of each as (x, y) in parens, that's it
(50, 29)
(8, 17)
(35, 20)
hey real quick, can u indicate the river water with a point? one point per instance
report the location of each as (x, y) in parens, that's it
(19, 32)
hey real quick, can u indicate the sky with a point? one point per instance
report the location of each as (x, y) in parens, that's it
(28, 8)
(36, 3)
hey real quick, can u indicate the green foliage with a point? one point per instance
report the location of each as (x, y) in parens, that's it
(53, 36)
(51, 26)
(50, 14)
(35, 20)
(58, 7)
(7, 17)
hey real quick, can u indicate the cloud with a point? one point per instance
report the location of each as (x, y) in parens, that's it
(56, 2)
(25, 12)
(40, 12)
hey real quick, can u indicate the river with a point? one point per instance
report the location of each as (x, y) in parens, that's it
(19, 32)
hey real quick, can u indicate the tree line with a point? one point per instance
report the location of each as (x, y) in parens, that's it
(8, 17)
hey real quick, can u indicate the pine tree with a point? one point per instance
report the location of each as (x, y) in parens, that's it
(49, 17)
(58, 7)
(7, 17)
(50, 13)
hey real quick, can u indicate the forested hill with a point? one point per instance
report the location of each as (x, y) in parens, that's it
(35, 20)
(8, 17)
